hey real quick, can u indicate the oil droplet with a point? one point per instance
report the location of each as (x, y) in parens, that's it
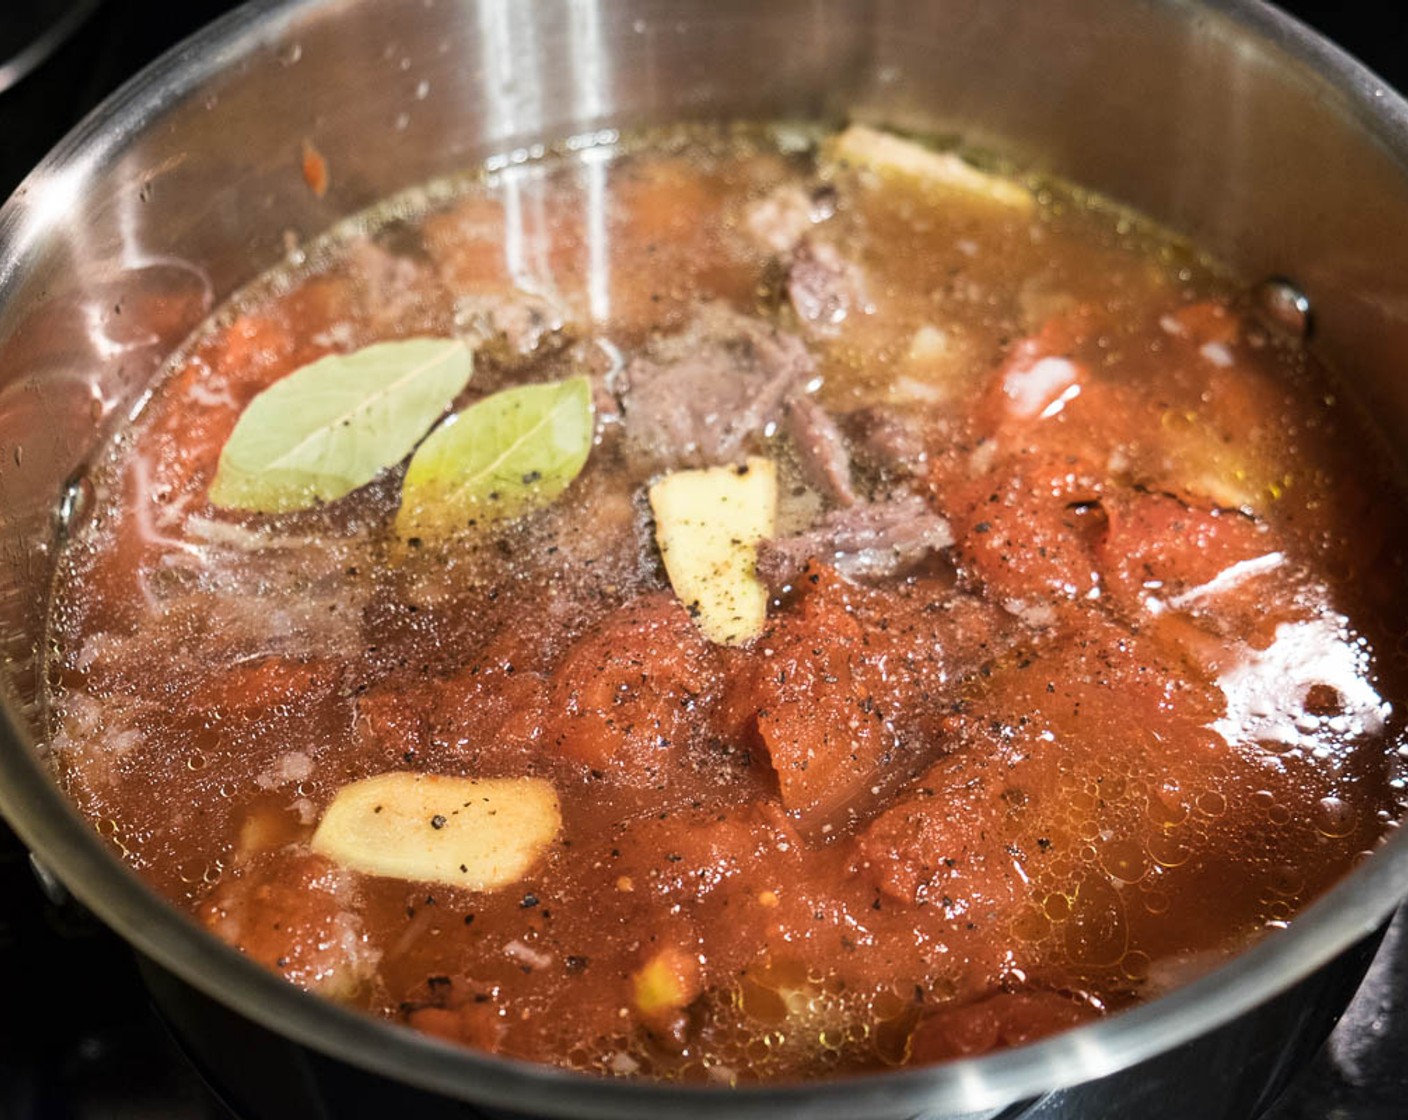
(1135, 965)
(1333, 817)
(1096, 933)
(1211, 803)
(193, 871)
(1057, 907)
(1125, 860)
(1285, 880)
(1030, 925)
(1278, 814)
(1156, 902)
(197, 762)
(1082, 802)
(888, 1004)
(1178, 420)
(1166, 807)
(1169, 851)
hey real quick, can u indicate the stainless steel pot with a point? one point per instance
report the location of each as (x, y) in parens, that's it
(1223, 119)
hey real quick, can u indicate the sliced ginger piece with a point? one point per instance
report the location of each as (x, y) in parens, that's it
(665, 985)
(890, 155)
(708, 524)
(480, 834)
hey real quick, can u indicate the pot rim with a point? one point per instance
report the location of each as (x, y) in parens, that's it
(51, 827)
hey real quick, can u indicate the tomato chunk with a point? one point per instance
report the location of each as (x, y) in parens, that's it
(1155, 543)
(1005, 1019)
(629, 695)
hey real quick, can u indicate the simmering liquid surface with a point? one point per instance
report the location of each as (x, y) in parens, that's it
(1082, 668)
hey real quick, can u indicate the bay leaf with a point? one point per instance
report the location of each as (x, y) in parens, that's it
(501, 457)
(331, 426)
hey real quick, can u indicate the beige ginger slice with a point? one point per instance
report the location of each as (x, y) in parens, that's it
(891, 155)
(480, 834)
(708, 524)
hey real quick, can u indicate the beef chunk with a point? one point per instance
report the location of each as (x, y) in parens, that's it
(512, 325)
(699, 395)
(402, 294)
(780, 219)
(869, 541)
(887, 441)
(821, 450)
(823, 287)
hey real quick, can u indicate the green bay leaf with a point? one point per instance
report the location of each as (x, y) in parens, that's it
(333, 425)
(501, 457)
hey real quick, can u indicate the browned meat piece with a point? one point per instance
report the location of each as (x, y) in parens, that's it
(887, 441)
(824, 288)
(782, 218)
(513, 325)
(699, 395)
(869, 541)
(821, 450)
(403, 295)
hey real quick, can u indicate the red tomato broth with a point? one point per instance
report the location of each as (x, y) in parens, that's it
(1023, 783)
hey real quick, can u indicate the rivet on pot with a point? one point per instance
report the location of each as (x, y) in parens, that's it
(74, 502)
(1283, 308)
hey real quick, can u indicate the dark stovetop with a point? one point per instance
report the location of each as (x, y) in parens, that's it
(78, 1037)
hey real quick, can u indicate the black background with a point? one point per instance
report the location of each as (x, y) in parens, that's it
(78, 1040)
